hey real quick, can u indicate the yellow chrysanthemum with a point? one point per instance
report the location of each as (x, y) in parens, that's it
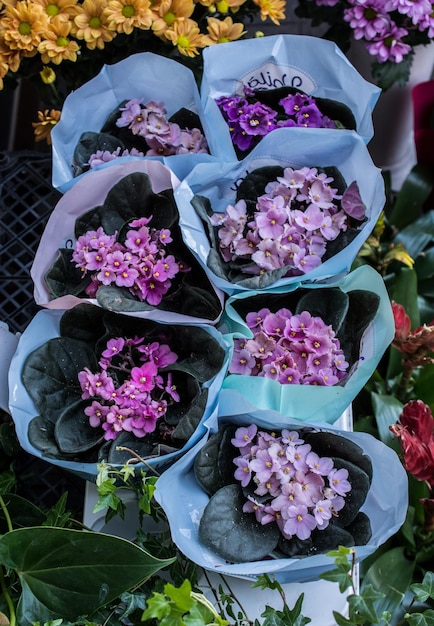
(52, 8)
(48, 75)
(23, 26)
(47, 121)
(168, 12)
(125, 15)
(92, 24)
(273, 9)
(186, 36)
(222, 31)
(57, 46)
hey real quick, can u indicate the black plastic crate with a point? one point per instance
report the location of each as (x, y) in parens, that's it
(26, 201)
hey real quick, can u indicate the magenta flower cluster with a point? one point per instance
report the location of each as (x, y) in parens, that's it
(140, 264)
(290, 348)
(249, 120)
(129, 392)
(294, 219)
(163, 137)
(295, 488)
(389, 29)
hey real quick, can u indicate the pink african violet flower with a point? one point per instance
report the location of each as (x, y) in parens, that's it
(140, 264)
(294, 487)
(141, 398)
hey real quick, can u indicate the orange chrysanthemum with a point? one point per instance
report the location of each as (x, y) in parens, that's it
(23, 26)
(12, 58)
(222, 6)
(57, 46)
(125, 15)
(222, 31)
(273, 9)
(186, 36)
(92, 24)
(47, 121)
(52, 8)
(168, 12)
(4, 68)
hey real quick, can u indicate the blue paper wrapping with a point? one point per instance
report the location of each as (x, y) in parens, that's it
(294, 147)
(45, 326)
(305, 402)
(143, 75)
(184, 500)
(312, 64)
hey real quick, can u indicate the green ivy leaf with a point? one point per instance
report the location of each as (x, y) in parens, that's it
(364, 605)
(421, 619)
(425, 589)
(339, 575)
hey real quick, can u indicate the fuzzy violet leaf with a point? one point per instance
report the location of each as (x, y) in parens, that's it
(309, 502)
(285, 222)
(129, 255)
(135, 383)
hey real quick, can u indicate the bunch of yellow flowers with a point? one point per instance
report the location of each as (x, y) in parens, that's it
(70, 40)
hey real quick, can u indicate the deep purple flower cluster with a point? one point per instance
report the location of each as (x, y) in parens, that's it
(249, 120)
(295, 488)
(140, 264)
(295, 218)
(163, 137)
(126, 396)
(389, 29)
(290, 348)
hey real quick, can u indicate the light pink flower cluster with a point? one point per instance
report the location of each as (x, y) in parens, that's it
(163, 137)
(104, 156)
(140, 264)
(290, 348)
(388, 28)
(295, 488)
(294, 219)
(126, 396)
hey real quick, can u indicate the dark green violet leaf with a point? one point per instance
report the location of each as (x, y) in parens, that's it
(73, 432)
(331, 306)
(253, 185)
(190, 421)
(188, 387)
(206, 469)
(360, 528)
(186, 119)
(362, 309)
(41, 435)
(235, 536)
(330, 538)
(50, 374)
(64, 277)
(354, 500)
(82, 322)
(89, 143)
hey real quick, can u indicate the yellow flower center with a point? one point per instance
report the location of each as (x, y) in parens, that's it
(223, 40)
(95, 22)
(222, 6)
(52, 9)
(169, 18)
(62, 41)
(24, 28)
(183, 41)
(128, 10)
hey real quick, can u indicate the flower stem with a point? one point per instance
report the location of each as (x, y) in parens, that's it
(404, 383)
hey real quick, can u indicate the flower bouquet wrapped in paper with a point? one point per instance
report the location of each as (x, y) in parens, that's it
(146, 105)
(88, 385)
(294, 210)
(114, 240)
(256, 86)
(306, 352)
(265, 495)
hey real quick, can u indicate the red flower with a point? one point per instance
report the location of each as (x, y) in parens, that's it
(415, 431)
(402, 324)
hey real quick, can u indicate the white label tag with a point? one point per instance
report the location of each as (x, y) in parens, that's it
(271, 76)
